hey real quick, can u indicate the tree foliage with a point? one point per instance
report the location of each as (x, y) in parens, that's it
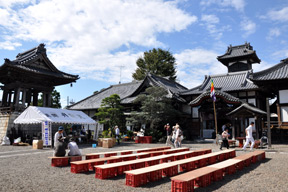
(111, 112)
(156, 61)
(155, 109)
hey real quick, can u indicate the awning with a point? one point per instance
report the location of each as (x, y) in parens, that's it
(34, 115)
(247, 110)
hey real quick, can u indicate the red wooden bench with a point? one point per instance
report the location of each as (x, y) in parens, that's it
(142, 176)
(88, 165)
(200, 177)
(153, 149)
(203, 176)
(139, 177)
(63, 161)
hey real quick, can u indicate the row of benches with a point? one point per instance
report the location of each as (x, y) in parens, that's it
(141, 176)
(204, 176)
(64, 161)
(112, 170)
(88, 165)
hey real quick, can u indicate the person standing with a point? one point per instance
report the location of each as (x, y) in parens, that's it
(117, 133)
(249, 137)
(225, 136)
(73, 148)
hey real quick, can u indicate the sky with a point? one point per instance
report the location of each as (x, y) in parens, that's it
(101, 40)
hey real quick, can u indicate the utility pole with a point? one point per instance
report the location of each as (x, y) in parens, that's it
(120, 67)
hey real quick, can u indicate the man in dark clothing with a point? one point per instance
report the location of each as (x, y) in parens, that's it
(60, 148)
(225, 136)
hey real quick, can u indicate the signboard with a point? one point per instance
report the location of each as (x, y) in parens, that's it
(46, 133)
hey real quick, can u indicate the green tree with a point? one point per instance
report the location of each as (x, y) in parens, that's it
(111, 112)
(55, 99)
(158, 62)
(156, 109)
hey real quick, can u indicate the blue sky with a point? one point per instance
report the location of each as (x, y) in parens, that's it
(95, 39)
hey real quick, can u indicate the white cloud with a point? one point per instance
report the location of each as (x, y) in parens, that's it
(281, 54)
(210, 23)
(238, 5)
(84, 36)
(275, 32)
(280, 15)
(248, 26)
(193, 64)
(9, 45)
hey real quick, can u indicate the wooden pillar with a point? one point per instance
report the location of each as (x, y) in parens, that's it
(24, 97)
(268, 122)
(4, 98)
(49, 99)
(9, 97)
(233, 129)
(16, 98)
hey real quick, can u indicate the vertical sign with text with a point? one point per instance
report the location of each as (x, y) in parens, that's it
(46, 133)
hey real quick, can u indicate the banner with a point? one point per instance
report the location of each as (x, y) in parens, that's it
(46, 133)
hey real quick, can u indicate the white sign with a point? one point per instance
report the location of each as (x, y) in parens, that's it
(46, 133)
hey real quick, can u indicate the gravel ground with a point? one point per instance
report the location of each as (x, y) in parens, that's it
(25, 169)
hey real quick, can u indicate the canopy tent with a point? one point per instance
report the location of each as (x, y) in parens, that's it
(34, 115)
(48, 116)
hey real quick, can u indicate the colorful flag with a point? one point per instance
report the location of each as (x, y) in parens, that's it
(212, 93)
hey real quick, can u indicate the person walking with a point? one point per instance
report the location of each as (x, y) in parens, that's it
(178, 139)
(249, 137)
(168, 133)
(225, 136)
(117, 133)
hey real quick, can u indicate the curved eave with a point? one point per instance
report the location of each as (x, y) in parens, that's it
(222, 95)
(247, 109)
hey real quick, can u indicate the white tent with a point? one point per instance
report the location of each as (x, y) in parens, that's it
(47, 116)
(33, 115)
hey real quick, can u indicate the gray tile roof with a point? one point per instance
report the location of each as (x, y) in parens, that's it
(94, 101)
(25, 61)
(238, 51)
(277, 72)
(129, 91)
(229, 82)
(244, 108)
(172, 86)
(219, 94)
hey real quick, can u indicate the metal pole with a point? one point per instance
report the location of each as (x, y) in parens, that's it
(268, 122)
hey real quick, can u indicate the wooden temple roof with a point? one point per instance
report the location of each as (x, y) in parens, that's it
(247, 110)
(239, 52)
(34, 63)
(230, 82)
(276, 72)
(219, 94)
(129, 91)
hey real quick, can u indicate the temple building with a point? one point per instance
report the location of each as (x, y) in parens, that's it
(128, 93)
(241, 95)
(23, 79)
